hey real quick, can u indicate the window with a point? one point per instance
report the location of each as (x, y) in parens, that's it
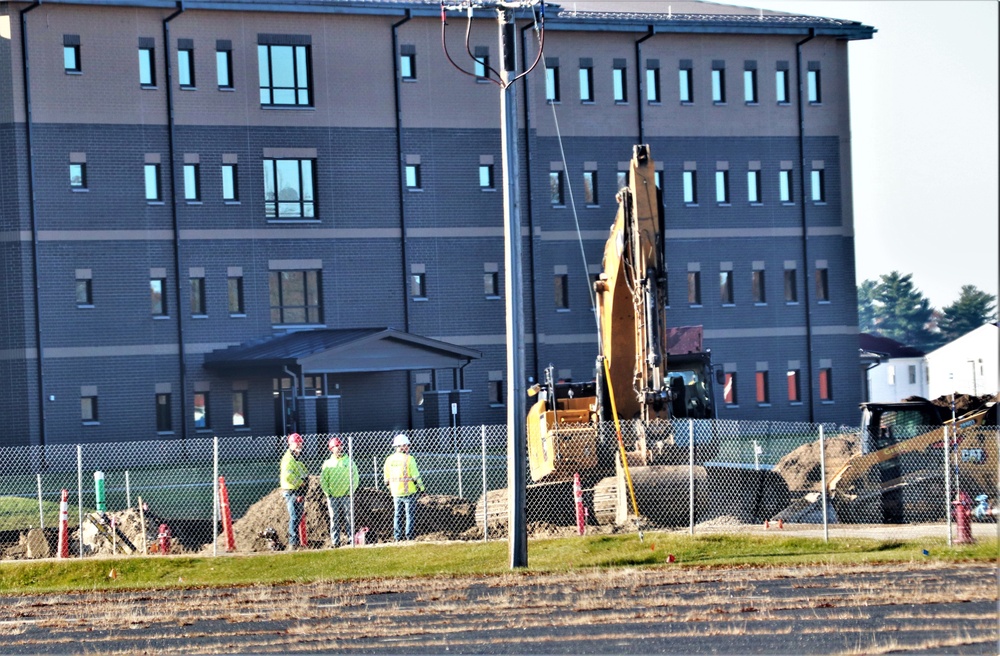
(722, 187)
(726, 287)
(619, 82)
(556, 187)
(418, 391)
(234, 285)
(294, 180)
(794, 393)
(690, 187)
(412, 172)
(813, 84)
(201, 416)
(296, 297)
(785, 186)
(718, 84)
(491, 284)
(590, 187)
(822, 285)
(750, 86)
(826, 384)
(551, 82)
(729, 388)
(152, 175)
(890, 374)
(84, 291)
(653, 92)
(418, 285)
(71, 54)
(78, 176)
(686, 85)
(158, 298)
(192, 185)
(817, 183)
(791, 289)
(622, 179)
(586, 82)
(88, 409)
(757, 286)
(781, 86)
(912, 372)
(481, 63)
(185, 63)
(495, 390)
(164, 416)
(224, 65)
(763, 395)
(562, 291)
(694, 287)
(198, 296)
(240, 408)
(486, 176)
(147, 63)
(284, 75)
(753, 186)
(658, 179)
(408, 63)
(230, 188)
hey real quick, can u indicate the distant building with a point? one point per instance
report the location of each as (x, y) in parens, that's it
(967, 365)
(900, 371)
(236, 217)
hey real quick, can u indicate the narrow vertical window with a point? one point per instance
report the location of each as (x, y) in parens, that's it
(152, 178)
(192, 183)
(157, 296)
(78, 176)
(722, 187)
(726, 287)
(234, 287)
(84, 290)
(622, 179)
(690, 187)
(224, 64)
(71, 54)
(491, 284)
(561, 291)
(757, 285)
(694, 287)
(198, 296)
(586, 81)
(658, 179)
(88, 409)
(794, 393)
(729, 389)
(763, 395)
(619, 81)
(481, 63)
(240, 408)
(486, 177)
(556, 185)
(552, 80)
(750, 84)
(785, 186)
(164, 416)
(791, 288)
(781, 84)
(418, 285)
(653, 91)
(817, 180)
(753, 186)
(201, 416)
(686, 89)
(495, 388)
(230, 189)
(718, 83)
(826, 384)
(147, 63)
(408, 62)
(814, 94)
(185, 63)
(822, 285)
(590, 187)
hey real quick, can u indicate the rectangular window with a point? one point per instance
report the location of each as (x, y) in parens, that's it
(78, 176)
(690, 187)
(718, 85)
(812, 84)
(164, 416)
(722, 187)
(763, 396)
(729, 389)
(781, 86)
(556, 188)
(240, 408)
(230, 188)
(587, 83)
(84, 292)
(912, 371)
(408, 63)
(619, 81)
(412, 173)
(750, 87)
(296, 297)
(791, 288)
(491, 284)
(418, 285)
(622, 179)
(486, 176)
(552, 84)
(757, 285)
(495, 390)
(192, 185)
(88, 409)
(198, 296)
(152, 177)
(822, 285)
(590, 187)
(658, 179)
(294, 181)
(201, 416)
(826, 384)
(224, 67)
(71, 54)
(817, 183)
(185, 67)
(158, 296)
(890, 374)
(794, 393)
(481, 63)
(234, 285)
(726, 287)
(694, 287)
(284, 75)
(785, 186)
(562, 291)
(753, 186)
(147, 66)
(653, 92)
(686, 85)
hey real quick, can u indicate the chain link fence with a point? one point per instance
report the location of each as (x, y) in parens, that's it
(212, 495)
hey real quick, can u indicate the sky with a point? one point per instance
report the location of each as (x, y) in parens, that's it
(924, 139)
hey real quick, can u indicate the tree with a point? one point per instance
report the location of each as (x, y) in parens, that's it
(867, 312)
(896, 309)
(973, 308)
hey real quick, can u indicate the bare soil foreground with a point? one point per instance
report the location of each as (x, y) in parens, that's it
(917, 607)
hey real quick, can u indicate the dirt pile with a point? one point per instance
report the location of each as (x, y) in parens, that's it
(801, 467)
(964, 403)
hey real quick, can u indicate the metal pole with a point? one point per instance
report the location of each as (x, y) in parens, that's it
(691, 476)
(79, 493)
(215, 495)
(822, 485)
(947, 480)
(41, 513)
(460, 475)
(128, 491)
(350, 477)
(486, 528)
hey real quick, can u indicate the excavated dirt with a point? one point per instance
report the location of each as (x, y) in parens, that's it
(801, 467)
(964, 403)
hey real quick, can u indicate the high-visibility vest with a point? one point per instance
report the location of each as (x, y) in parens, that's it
(401, 475)
(293, 471)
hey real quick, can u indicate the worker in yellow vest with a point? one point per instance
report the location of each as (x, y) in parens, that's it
(403, 478)
(294, 481)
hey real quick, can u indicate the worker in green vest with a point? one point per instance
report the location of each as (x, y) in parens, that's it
(339, 480)
(403, 478)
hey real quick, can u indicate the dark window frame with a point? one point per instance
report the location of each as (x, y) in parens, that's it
(758, 286)
(199, 297)
(561, 291)
(88, 410)
(694, 288)
(205, 422)
(309, 287)
(164, 413)
(192, 184)
(185, 68)
(302, 80)
(81, 183)
(158, 305)
(147, 66)
(230, 175)
(236, 300)
(306, 203)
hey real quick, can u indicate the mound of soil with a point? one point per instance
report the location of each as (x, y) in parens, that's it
(964, 403)
(801, 467)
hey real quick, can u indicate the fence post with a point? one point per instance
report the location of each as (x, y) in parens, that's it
(947, 480)
(215, 495)
(822, 486)
(79, 493)
(375, 469)
(41, 513)
(128, 491)
(460, 475)
(486, 527)
(350, 478)
(691, 476)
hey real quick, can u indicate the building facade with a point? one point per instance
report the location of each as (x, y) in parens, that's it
(183, 185)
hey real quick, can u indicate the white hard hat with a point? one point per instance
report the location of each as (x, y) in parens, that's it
(401, 440)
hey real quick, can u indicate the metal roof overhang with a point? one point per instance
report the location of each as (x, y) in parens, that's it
(333, 351)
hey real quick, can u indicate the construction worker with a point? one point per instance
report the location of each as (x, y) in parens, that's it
(339, 480)
(403, 478)
(294, 483)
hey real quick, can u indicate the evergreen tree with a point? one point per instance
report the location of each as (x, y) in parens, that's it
(867, 312)
(973, 308)
(903, 312)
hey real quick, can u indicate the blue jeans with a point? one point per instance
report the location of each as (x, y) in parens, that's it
(409, 504)
(295, 510)
(339, 506)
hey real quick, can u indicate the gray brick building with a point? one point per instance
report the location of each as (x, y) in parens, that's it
(224, 217)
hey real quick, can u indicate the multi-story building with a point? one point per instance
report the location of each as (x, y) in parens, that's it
(230, 216)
